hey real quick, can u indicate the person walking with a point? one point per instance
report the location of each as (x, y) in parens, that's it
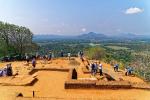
(100, 69)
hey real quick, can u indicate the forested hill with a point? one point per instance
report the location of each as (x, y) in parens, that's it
(92, 36)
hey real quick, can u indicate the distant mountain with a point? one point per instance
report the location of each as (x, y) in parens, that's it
(88, 36)
(50, 37)
(128, 36)
(92, 36)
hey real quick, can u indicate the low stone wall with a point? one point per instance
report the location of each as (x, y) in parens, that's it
(80, 84)
(48, 69)
(19, 81)
(141, 86)
(113, 85)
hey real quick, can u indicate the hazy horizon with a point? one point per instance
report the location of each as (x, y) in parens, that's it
(73, 17)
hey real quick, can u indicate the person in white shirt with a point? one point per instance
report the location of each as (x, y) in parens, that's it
(69, 56)
(100, 69)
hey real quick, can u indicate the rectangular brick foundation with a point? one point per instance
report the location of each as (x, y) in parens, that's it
(78, 84)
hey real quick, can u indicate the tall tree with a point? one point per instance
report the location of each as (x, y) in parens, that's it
(18, 38)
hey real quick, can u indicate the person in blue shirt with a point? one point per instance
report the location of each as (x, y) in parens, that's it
(116, 67)
(92, 68)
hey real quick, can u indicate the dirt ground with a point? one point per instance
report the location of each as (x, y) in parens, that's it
(50, 86)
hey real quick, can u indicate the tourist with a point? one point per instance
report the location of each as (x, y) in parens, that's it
(27, 59)
(116, 67)
(9, 70)
(126, 71)
(44, 59)
(62, 53)
(53, 55)
(37, 55)
(81, 55)
(69, 56)
(34, 62)
(92, 68)
(130, 70)
(95, 67)
(78, 54)
(100, 69)
(5, 72)
(50, 56)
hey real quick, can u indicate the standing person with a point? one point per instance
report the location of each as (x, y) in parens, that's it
(62, 53)
(69, 56)
(81, 55)
(37, 55)
(92, 68)
(117, 67)
(78, 54)
(130, 71)
(53, 55)
(46, 56)
(100, 69)
(50, 55)
(27, 58)
(126, 71)
(33, 62)
(44, 59)
(95, 68)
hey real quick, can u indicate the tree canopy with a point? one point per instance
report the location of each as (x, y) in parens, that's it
(14, 39)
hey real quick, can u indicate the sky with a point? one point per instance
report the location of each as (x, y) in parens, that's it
(73, 17)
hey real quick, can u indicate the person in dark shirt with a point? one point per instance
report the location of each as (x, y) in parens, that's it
(34, 62)
(62, 53)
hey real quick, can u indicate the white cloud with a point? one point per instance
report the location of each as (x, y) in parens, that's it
(134, 10)
(83, 29)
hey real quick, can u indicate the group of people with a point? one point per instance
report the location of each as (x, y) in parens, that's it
(45, 58)
(128, 71)
(7, 71)
(95, 66)
(116, 67)
(68, 54)
(33, 60)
